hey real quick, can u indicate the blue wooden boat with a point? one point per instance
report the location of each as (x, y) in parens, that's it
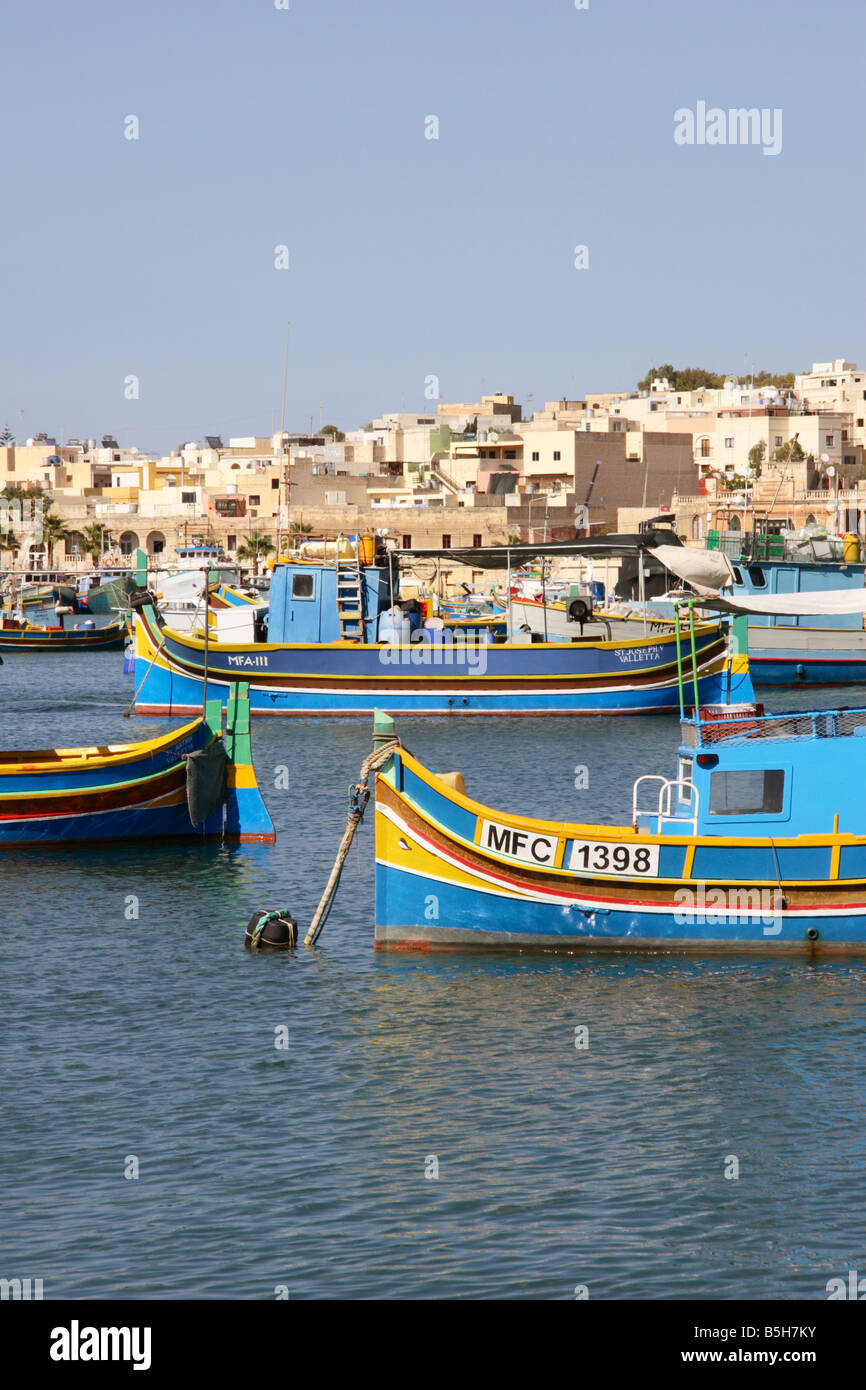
(338, 644)
(194, 783)
(803, 649)
(756, 842)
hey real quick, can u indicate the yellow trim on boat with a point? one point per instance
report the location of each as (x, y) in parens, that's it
(67, 759)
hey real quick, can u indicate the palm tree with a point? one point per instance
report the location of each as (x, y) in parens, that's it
(53, 530)
(94, 540)
(9, 541)
(256, 544)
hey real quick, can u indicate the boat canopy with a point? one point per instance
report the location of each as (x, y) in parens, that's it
(707, 571)
(499, 557)
(831, 601)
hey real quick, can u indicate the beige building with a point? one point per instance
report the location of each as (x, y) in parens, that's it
(838, 387)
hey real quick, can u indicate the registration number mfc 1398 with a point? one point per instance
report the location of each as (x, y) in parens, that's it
(599, 857)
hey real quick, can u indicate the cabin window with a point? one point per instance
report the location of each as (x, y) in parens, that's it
(757, 576)
(302, 586)
(752, 792)
(738, 578)
(684, 774)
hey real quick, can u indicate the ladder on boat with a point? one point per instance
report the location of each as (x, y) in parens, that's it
(349, 599)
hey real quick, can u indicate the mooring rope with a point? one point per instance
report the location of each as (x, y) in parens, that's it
(359, 795)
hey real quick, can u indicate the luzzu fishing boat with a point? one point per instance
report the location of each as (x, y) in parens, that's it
(756, 843)
(17, 636)
(338, 643)
(194, 783)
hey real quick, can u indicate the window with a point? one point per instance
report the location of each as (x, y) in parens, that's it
(407, 542)
(187, 497)
(757, 576)
(446, 542)
(684, 774)
(535, 456)
(729, 443)
(828, 439)
(844, 436)
(255, 501)
(705, 448)
(275, 484)
(476, 540)
(859, 424)
(302, 586)
(556, 456)
(752, 792)
(738, 577)
(778, 441)
(232, 542)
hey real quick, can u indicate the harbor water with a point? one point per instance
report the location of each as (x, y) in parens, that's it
(181, 1119)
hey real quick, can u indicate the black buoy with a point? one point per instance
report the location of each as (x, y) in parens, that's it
(272, 931)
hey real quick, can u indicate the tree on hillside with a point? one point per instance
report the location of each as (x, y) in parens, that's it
(6, 438)
(693, 378)
(785, 382)
(681, 378)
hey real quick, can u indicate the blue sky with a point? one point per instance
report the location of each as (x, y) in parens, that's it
(412, 257)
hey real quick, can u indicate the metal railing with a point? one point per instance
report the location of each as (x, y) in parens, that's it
(842, 723)
(661, 813)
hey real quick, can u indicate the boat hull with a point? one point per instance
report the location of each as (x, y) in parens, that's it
(793, 656)
(638, 676)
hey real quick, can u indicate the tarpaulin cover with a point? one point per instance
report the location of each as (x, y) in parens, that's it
(205, 781)
(831, 601)
(706, 571)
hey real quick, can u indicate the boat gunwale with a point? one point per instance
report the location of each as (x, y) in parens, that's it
(80, 759)
(569, 830)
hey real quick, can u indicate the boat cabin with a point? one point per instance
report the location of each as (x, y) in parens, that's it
(758, 579)
(317, 601)
(760, 775)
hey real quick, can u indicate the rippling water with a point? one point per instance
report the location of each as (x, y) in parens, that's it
(305, 1167)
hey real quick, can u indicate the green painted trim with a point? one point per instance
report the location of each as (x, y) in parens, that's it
(238, 743)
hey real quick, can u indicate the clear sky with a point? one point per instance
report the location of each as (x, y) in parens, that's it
(412, 257)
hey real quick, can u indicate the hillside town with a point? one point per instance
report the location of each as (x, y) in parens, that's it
(462, 474)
